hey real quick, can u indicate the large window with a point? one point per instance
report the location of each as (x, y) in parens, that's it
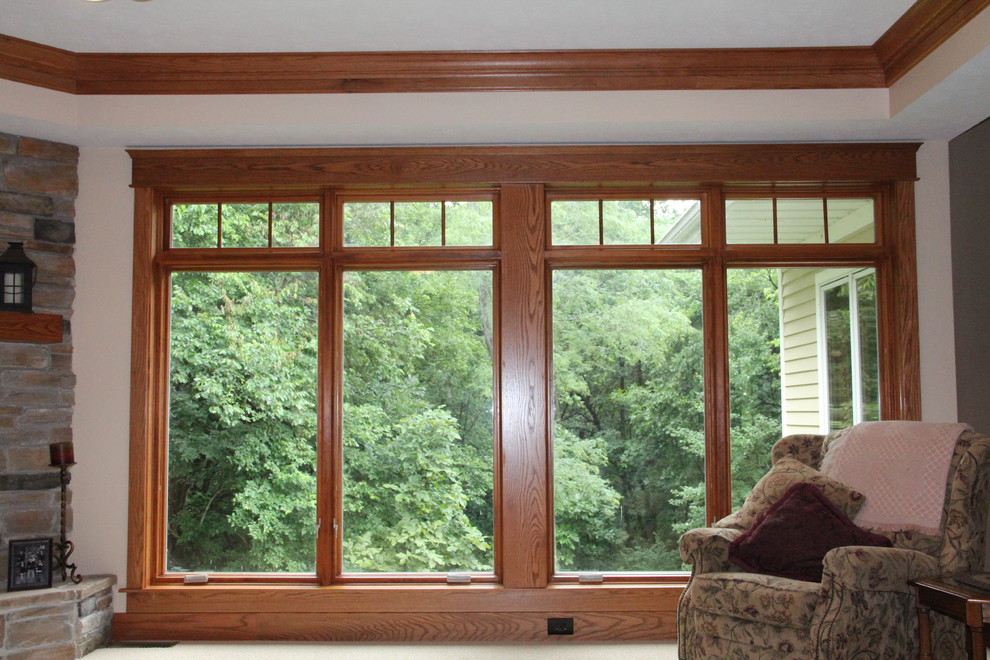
(415, 389)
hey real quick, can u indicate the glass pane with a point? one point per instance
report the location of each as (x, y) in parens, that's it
(626, 221)
(469, 223)
(417, 224)
(839, 357)
(749, 221)
(800, 220)
(194, 225)
(367, 224)
(418, 442)
(851, 221)
(296, 225)
(629, 425)
(245, 225)
(677, 221)
(869, 356)
(242, 423)
(754, 374)
(574, 222)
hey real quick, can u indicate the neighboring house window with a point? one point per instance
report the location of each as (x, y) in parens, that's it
(847, 313)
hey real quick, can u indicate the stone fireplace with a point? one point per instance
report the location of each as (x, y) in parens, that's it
(38, 188)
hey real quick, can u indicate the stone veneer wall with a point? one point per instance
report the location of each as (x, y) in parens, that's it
(62, 623)
(38, 187)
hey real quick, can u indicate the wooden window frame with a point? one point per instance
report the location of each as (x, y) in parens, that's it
(515, 608)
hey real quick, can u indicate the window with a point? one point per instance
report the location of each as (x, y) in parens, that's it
(847, 341)
(421, 393)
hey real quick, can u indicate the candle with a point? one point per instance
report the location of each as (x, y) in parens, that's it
(62, 454)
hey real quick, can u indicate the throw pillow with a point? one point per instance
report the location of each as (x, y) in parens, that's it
(784, 474)
(791, 538)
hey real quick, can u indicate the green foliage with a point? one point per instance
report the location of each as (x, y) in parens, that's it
(418, 448)
(242, 423)
(418, 454)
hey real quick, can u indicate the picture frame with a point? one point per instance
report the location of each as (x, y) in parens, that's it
(29, 564)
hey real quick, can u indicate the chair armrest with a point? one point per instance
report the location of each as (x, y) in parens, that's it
(865, 568)
(707, 548)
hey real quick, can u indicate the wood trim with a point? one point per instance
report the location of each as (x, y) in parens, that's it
(902, 311)
(471, 71)
(922, 29)
(141, 497)
(925, 26)
(30, 328)
(718, 439)
(526, 527)
(503, 627)
(517, 608)
(861, 162)
(403, 598)
(35, 64)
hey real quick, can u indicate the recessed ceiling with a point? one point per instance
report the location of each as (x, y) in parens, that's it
(390, 25)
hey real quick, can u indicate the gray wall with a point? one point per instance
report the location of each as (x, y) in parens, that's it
(969, 173)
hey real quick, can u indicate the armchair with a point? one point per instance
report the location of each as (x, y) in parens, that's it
(863, 608)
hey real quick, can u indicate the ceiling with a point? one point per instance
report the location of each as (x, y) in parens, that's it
(356, 25)
(939, 99)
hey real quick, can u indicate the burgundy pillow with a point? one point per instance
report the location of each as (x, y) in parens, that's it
(790, 538)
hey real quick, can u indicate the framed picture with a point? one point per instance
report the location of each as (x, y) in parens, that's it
(30, 564)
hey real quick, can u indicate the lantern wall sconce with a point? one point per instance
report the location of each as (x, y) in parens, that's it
(17, 278)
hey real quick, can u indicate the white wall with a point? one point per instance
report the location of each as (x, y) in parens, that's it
(937, 333)
(101, 336)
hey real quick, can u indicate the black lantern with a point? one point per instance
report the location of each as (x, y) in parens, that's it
(17, 274)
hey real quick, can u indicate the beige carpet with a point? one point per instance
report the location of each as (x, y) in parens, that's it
(307, 651)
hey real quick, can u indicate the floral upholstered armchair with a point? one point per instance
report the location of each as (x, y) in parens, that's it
(862, 607)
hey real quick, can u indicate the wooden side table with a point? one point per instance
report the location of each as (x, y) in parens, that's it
(961, 601)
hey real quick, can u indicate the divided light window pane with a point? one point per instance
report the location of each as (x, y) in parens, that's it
(242, 422)
(296, 225)
(418, 224)
(418, 458)
(574, 222)
(246, 225)
(799, 220)
(469, 223)
(367, 224)
(851, 221)
(195, 225)
(748, 221)
(625, 222)
(629, 422)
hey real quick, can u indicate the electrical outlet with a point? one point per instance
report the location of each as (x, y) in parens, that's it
(561, 626)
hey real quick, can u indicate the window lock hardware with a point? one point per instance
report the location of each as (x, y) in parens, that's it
(458, 578)
(196, 578)
(591, 578)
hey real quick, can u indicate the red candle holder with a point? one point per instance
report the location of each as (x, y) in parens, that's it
(61, 453)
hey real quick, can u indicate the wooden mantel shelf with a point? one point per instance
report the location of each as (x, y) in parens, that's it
(33, 328)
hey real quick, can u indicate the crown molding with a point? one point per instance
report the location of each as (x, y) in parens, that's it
(926, 25)
(922, 29)
(35, 64)
(467, 71)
